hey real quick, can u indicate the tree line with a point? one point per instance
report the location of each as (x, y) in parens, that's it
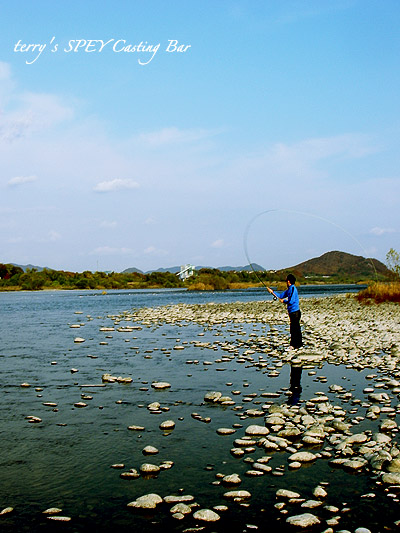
(15, 278)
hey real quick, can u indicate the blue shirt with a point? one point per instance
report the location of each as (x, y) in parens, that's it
(292, 296)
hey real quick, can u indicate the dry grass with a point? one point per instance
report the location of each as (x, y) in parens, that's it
(380, 292)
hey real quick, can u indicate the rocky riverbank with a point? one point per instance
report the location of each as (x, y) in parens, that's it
(207, 431)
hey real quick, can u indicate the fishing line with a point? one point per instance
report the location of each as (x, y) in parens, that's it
(250, 223)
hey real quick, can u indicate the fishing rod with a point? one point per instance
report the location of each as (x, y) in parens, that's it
(245, 237)
(246, 232)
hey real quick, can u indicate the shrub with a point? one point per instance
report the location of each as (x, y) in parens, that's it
(380, 292)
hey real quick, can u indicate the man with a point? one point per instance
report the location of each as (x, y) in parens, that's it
(290, 297)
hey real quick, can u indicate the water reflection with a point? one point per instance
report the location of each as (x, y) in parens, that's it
(295, 383)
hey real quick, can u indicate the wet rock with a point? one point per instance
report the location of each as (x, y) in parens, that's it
(303, 520)
(388, 425)
(181, 508)
(232, 479)
(206, 515)
(7, 510)
(159, 385)
(355, 464)
(148, 468)
(148, 501)
(320, 493)
(212, 396)
(256, 430)
(302, 457)
(394, 466)
(311, 504)
(184, 498)
(237, 495)
(150, 450)
(131, 474)
(226, 431)
(392, 478)
(52, 510)
(167, 425)
(287, 494)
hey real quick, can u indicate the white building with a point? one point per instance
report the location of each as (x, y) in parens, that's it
(186, 271)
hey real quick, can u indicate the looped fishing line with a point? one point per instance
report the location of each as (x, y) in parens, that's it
(250, 223)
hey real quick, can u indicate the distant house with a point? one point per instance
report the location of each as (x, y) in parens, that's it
(186, 271)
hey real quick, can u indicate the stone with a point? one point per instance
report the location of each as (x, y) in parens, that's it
(148, 468)
(150, 450)
(167, 425)
(181, 508)
(232, 479)
(303, 520)
(161, 385)
(320, 492)
(394, 465)
(148, 501)
(237, 495)
(212, 396)
(7, 510)
(287, 494)
(184, 498)
(302, 457)
(206, 515)
(392, 478)
(226, 431)
(256, 430)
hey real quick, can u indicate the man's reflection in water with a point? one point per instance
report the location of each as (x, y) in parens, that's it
(295, 383)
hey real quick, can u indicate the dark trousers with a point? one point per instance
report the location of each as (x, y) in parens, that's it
(296, 339)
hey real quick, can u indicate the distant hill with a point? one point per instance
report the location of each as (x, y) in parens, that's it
(25, 267)
(176, 269)
(131, 270)
(334, 263)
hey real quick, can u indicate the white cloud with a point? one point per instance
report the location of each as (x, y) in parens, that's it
(308, 159)
(54, 235)
(108, 224)
(116, 185)
(32, 112)
(20, 180)
(174, 135)
(381, 231)
(5, 71)
(152, 250)
(219, 243)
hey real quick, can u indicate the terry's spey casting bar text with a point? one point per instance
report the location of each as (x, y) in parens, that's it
(99, 45)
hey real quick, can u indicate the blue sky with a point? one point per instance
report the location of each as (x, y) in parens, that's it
(112, 159)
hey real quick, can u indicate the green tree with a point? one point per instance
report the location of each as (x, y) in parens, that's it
(393, 262)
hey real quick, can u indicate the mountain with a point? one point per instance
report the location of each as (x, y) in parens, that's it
(25, 267)
(340, 263)
(131, 270)
(176, 269)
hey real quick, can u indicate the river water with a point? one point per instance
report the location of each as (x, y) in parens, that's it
(65, 460)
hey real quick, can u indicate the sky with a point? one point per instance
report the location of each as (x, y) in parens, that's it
(154, 134)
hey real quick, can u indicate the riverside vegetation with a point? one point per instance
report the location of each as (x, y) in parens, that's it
(383, 284)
